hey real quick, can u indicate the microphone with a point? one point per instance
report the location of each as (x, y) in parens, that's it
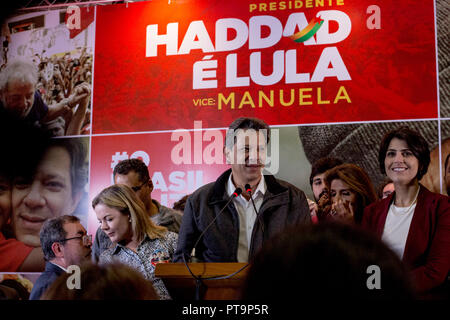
(248, 189)
(235, 194)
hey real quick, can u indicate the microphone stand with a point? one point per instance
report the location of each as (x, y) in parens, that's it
(198, 280)
(248, 189)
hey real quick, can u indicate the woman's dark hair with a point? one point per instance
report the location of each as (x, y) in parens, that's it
(416, 143)
(325, 262)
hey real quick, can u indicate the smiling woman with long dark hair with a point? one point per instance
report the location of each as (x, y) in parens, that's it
(413, 221)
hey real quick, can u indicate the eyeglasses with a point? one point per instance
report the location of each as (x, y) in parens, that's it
(87, 239)
(136, 189)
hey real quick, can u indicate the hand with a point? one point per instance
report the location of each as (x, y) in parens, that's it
(81, 92)
(342, 210)
(324, 199)
(313, 208)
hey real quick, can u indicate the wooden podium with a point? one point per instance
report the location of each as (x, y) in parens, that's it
(182, 286)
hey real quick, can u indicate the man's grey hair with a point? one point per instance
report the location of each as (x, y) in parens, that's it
(18, 70)
(53, 231)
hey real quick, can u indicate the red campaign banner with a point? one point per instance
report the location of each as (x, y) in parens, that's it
(161, 65)
(179, 162)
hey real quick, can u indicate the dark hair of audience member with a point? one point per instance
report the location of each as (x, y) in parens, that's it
(322, 165)
(416, 143)
(137, 165)
(22, 292)
(103, 282)
(325, 262)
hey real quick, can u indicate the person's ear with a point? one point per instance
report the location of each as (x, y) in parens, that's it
(58, 249)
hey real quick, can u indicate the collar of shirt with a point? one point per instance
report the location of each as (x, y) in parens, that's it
(119, 246)
(65, 270)
(259, 191)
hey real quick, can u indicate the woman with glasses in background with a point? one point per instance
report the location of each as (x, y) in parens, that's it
(136, 240)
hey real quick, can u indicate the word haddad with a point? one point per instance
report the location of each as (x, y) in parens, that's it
(329, 63)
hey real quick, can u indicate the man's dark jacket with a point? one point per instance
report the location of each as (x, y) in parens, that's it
(283, 206)
(45, 280)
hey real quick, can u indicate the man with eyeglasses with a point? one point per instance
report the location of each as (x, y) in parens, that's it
(64, 242)
(134, 174)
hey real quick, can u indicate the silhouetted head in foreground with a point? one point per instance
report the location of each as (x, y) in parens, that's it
(102, 282)
(328, 261)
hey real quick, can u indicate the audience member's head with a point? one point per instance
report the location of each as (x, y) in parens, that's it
(54, 189)
(134, 174)
(447, 174)
(350, 187)
(325, 262)
(17, 86)
(245, 149)
(8, 293)
(122, 215)
(65, 242)
(386, 188)
(21, 293)
(103, 282)
(318, 169)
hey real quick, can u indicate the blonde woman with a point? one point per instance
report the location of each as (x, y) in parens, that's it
(136, 240)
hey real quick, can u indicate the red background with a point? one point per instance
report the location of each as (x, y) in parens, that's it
(393, 69)
(158, 146)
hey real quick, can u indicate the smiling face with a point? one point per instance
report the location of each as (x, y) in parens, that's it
(400, 163)
(115, 224)
(46, 195)
(247, 157)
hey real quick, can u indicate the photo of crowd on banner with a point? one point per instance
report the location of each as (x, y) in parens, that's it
(42, 82)
(374, 204)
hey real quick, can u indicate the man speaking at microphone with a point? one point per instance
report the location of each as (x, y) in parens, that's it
(224, 225)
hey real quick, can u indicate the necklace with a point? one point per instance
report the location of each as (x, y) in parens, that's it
(404, 210)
